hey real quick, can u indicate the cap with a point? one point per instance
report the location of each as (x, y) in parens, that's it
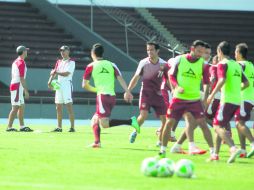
(21, 49)
(64, 48)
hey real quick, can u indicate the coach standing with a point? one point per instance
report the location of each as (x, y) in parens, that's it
(64, 70)
(17, 88)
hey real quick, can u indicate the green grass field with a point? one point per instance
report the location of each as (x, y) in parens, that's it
(62, 161)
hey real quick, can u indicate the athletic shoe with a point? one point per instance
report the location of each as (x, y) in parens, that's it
(26, 129)
(161, 155)
(57, 130)
(134, 124)
(197, 150)
(133, 136)
(177, 150)
(94, 145)
(11, 130)
(251, 153)
(71, 130)
(213, 157)
(243, 154)
(234, 154)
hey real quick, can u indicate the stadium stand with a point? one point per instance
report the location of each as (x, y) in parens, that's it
(23, 24)
(208, 25)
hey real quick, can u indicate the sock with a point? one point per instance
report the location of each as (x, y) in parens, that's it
(252, 145)
(212, 150)
(163, 149)
(232, 148)
(97, 133)
(172, 133)
(22, 126)
(117, 122)
(191, 145)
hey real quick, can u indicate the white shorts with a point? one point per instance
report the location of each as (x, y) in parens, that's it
(64, 94)
(17, 96)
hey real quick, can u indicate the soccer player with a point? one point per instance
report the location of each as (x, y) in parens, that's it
(176, 148)
(17, 88)
(186, 76)
(104, 73)
(64, 70)
(230, 81)
(150, 70)
(244, 111)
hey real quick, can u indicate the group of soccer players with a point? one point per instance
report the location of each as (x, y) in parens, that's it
(188, 86)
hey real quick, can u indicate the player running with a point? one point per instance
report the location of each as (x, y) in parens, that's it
(64, 70)
(104, 73)
(186, 77)
(244, 111)
(150, 70)
(230, 78)
(17, 88)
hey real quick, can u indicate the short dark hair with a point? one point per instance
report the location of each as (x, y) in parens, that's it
(20, 52)
(155, 44)
(98, 50)
(243, 49)
(198, 43)
(208, 46)
(225, 48)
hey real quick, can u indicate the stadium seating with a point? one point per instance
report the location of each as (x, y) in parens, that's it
(211, 26)
(23, 24)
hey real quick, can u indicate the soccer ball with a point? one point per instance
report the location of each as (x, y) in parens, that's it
(165, 168)
(184, 168)
(149, 167)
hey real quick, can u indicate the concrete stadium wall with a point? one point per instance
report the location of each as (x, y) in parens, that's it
(81, 111)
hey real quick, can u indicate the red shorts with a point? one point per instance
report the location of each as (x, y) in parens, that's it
(244, 112)
(167, 96)
(104, 105)
(148, 99)
(224, 114)
(178, 107)
(212, 108)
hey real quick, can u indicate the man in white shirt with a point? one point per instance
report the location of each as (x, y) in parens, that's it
(64, 70)
(17, 89)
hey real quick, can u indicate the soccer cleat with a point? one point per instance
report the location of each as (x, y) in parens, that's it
(71, 130)
(134, 124)
(212, 158)
(161, 155)
(234, 155)
(251, 153)
(94, 145)
(26, 129)
(243, 154)
(11, 129)
(177, 150)
(133, 136)
(57, 130)
(197, 150)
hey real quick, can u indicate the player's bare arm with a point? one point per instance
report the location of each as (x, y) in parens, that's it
(133, 82)
(217, 88)
(86, 85)
(23, 83)
(128, 97)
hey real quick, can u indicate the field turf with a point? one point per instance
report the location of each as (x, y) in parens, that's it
(43, 160)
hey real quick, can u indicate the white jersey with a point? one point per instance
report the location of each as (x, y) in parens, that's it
(65, 66)
(18, 70)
